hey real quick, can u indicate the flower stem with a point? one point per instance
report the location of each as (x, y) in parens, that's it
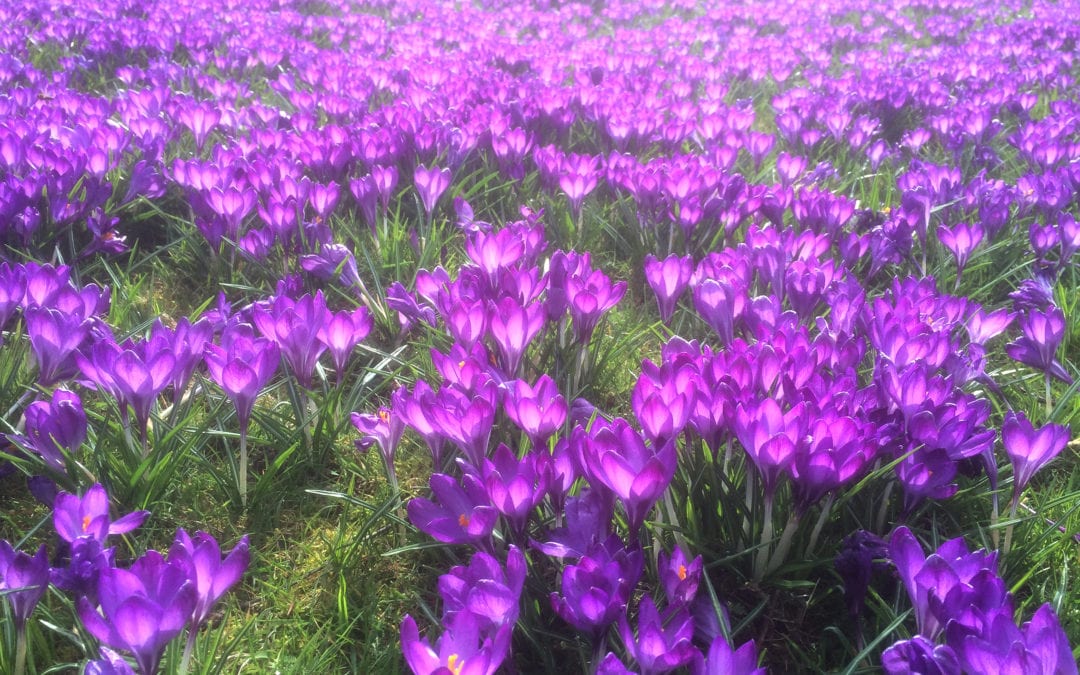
(766, 538)
(242, 469)
(784, 546)
(20, 651)
(826, 510)
(1049, 398)
(1009, 528)
(189, 648)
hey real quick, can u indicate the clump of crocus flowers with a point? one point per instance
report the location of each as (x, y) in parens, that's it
(136, 610)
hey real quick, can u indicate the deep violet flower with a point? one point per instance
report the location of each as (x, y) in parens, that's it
(679, 576)
(485, 589)
(463, 648)
(596, 590)
(88, 516)
(142, 609)
(722, 659)
(54, 428)
(663, 642)
(1043, 331)
(430, 185)
(1028, 448)
(463, 514)
(668, 279)
(950, 585)
(212, 575)
(242, 365)
(24, 578)
(539, 411)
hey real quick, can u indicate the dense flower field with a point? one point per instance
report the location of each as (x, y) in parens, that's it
(474, 337)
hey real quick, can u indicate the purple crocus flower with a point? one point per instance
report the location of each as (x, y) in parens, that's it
(951, 584)
(142, 609)
(679, 576)
(82, 566)
(919, 655)
(663, 642)
(617, 457)
(467, 418)
(383, 428)
(588, 526)
(513, 327)
(664, 398)
(212, 576)
(463, 514)
(961, 240)
(515, 487)
(668, 278)
(294, 325)
(55, 336)
(1041, 647)
(54, 428)
(1037, 347)
(494, 252)
(135, 373)
(110, 663)
(463, 648)
(862, 554)
(539, 411)
(12, 291)
(242, 365)
(769, 437)
(719, 304)
(596, 590)
(341, 332)
(723, 660)
(485, 588)
(23, 580)
(1029, 449)
(430, 184)
(590, 297)
(88, 516)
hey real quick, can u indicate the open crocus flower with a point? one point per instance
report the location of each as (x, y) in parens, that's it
(143, 608)
(1043, 331)
(722, 659)
(88, 516)
(463, 648)
(485, 589)
(950, 585)
(617, 457)
(464, 514)
(1030, 449)
(213, 576)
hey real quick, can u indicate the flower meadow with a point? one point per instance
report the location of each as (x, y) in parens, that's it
(474, 337)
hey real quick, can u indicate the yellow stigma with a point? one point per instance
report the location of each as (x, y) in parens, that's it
(384, 414)
(463, 520)
(455, 663)
(85, 523)
(682, 572)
